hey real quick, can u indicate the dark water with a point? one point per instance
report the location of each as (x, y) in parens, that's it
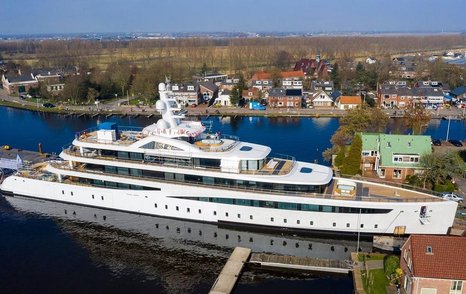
(50, 250)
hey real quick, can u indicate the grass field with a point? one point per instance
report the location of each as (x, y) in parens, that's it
(375, 282)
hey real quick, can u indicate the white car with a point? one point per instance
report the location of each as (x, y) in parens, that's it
(452, 197)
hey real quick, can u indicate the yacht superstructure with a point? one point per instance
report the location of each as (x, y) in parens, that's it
(174, 168)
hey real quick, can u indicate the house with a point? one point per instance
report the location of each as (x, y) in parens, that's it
(215, 78)
(393, 157)
(186, 94)
(53, 79)
(228, 84)
(251, 94)
(371, 60)
(326, 86)
(316, 68)
(223, 98)
(321, 99)
(348, 102)
(286, 79)
(390, 96)
(17, 84)
(285, 98)
(208, 91)
(433, 264)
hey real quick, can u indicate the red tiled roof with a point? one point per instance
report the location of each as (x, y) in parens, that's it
(350, 100)
(447, 260)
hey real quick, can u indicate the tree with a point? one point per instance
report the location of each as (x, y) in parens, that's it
(416, 118)
(76, 88)
(276, 77)
(237, 91)
(352, 163)
(335, 76)
(282, 59)
(92, 94)
(438, 169)
(204, 69)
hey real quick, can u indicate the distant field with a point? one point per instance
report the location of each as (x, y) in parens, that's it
(227, 55)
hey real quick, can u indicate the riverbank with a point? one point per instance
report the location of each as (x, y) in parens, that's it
(116, 108)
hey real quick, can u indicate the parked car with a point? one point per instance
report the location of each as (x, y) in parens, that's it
(48, 105)
(452, 197)
(456, 143)
(436, 142)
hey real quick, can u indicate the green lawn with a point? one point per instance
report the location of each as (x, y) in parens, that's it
(371, 256)
(376, 282)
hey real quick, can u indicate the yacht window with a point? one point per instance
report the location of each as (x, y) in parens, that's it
(215, 213)
(246, 148)
(298, 222)
(188, 210)
(239, 215)
(311, 223)
(347, 225)
(285, 220)
(362, 226)
(226, 214)
(306, 170)
(155, 205)
(250, 217)
(334, 224)
(199, 211)
(71, 193)
(271, 219)
(102, 197)
(166, 206)
(177, 208)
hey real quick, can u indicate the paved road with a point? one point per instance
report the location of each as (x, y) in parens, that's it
(116, 106)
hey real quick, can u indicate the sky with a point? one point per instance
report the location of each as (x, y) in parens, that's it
(81, 16)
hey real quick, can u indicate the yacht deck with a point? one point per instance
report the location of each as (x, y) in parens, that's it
(366, 191)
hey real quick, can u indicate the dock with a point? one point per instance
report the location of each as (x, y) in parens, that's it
(230, 273)
(14, 158)
(310, 264)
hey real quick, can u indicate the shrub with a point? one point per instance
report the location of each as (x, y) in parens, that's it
(390, 264)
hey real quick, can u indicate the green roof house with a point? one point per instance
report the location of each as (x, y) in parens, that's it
(393, 157)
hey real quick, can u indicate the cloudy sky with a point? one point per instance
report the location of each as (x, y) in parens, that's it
(77, 16)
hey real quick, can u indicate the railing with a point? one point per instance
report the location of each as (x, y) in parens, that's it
(249, 188)
(396, 185)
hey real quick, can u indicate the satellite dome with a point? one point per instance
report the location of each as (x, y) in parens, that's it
(162, 124)
(160, 106)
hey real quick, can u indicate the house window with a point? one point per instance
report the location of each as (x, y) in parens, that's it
(429, 250)
(397, 173)
(456, 287)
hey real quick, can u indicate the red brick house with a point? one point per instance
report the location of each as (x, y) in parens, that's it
(317, 68)
(17, 84)
(434, 264)
(251, 94)
(285, 98)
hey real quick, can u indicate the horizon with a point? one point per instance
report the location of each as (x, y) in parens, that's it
(240, 16)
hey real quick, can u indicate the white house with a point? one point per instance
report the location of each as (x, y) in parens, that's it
(321, 99)
(223, 99)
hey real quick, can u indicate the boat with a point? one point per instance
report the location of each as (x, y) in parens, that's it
(179, 169)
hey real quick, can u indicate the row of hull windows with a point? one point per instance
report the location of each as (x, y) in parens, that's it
(204, 179)
(72, 194)
(251, 217)
(291, 206)
(114, 185)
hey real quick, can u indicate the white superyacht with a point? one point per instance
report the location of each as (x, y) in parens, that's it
(176, 169)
